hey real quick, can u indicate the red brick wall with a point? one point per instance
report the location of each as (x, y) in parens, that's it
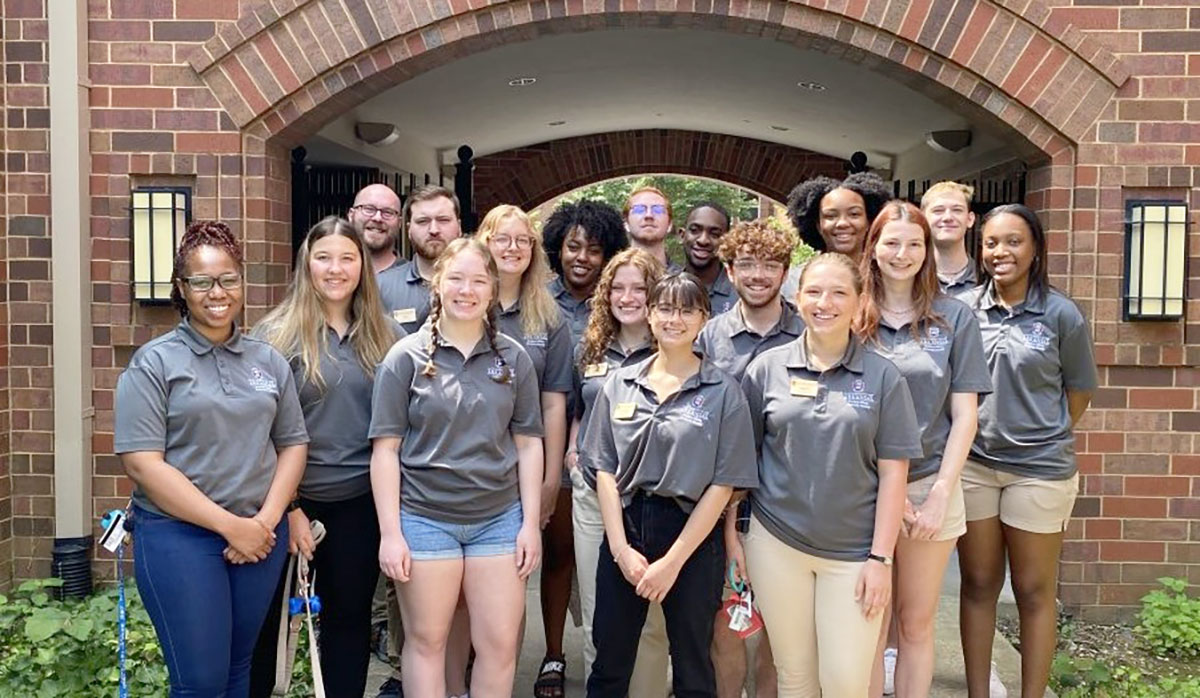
(212, 94)
(534, 174)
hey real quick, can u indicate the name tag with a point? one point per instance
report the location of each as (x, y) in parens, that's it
(804, 388)
(595, 370)
(405, 315)
(624, 410)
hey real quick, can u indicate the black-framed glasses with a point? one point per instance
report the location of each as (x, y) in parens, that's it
(640, 209)
(387, 214)
(665, 312)
(203, 283)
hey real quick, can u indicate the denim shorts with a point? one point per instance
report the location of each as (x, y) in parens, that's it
(430, 539)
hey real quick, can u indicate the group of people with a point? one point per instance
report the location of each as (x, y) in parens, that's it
(647, 432)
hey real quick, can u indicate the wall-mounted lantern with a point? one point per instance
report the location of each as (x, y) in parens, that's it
(160, 215)
(1155, 282)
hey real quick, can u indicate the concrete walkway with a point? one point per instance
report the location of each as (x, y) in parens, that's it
(948, 680)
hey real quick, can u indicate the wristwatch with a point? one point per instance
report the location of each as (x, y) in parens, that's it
(887, 561)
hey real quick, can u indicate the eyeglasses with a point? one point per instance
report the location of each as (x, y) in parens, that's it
(387, 214)
(752, 265)
(523, 242)
(204, 283)
(640, 209)
(665, 312)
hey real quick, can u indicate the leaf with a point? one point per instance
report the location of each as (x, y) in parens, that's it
(80, 628)
(44, 623)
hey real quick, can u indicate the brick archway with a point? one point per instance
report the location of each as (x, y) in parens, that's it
(531, 175)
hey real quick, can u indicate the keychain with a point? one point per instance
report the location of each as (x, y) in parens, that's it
(743, 620)
(114, 539)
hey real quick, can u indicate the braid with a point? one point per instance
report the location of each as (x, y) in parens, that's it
(506, 375)
(435, 312)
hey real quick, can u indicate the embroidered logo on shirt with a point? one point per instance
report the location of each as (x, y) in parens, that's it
(261, 382)
(535, 340)
(694, 412)
(1038, 337)
(858, 397)
(934, 340)
(496, 370)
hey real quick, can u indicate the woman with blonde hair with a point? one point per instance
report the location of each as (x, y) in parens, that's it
(456, 470)
(332, 330)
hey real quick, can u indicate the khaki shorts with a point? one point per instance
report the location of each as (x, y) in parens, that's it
(955, 522)
(1027, 503)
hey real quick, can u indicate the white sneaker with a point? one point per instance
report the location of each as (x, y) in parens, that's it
(996, 689)
(889, 671)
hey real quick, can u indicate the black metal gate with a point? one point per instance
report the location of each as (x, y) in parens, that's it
(990, 192)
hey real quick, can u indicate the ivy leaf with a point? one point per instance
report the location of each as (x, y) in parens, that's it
(80, 628)
(44, 623)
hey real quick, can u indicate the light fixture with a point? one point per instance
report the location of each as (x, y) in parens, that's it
(1155, 260)
(160, 216)
(809, 85)
(376, 133)
(522, 82)
(948, 141)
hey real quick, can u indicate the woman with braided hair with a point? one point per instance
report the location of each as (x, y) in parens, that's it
(456, 470)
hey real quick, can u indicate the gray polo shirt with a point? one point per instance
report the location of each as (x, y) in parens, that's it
(550, 351)
(699, 437)
(961, 282)
(1036, 352)
(217, 413)
(337, 417)
(944, 360)
(731, 345)
(405, 295)
(458, 460)
(721, 294)
(589, 381)
(574, 310)
(820, 436)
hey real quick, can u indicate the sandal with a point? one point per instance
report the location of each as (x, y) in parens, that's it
(552, 678)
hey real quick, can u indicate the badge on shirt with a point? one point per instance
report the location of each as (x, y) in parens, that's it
(804, 388)
(595, 370)
(624, 410)
(405, 315)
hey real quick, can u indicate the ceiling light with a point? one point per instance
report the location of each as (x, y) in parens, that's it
(522, 82)
(809, 85)
(556, 123)
(779, 128)
(376, 133)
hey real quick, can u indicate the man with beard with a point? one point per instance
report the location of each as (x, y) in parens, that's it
(701, 235)
(431, 217)
(756, 259)
(648, 220)
(376, 216)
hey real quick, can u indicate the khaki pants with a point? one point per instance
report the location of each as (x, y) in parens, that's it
(650, 671)
(808, 604)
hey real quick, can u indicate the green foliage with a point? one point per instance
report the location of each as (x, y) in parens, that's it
(1169, 622)
(1089, 678)
(52, 648)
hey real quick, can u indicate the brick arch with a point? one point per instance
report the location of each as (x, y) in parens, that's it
(531, 175)
(283, 73)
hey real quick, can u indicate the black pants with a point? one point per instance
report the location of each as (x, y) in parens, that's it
(347, 566)
(652, 524)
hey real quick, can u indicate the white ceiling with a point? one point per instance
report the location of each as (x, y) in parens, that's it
(621, 79)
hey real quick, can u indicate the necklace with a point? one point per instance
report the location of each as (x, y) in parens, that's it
(898, 311)
(956, 272)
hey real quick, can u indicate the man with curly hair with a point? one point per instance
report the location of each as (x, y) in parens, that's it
(755, 256)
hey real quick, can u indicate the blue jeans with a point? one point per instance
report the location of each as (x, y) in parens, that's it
(207, 612)
(430, 539)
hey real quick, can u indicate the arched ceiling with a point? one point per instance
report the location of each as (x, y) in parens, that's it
(625, 79)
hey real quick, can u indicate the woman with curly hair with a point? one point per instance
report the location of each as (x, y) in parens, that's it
(208, 509)
(833, 216)
(618, 334)
(456, 469)
(332, 329)
(580, 239)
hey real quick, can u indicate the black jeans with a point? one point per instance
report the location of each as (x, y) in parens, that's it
(346, 564)
(652, 524)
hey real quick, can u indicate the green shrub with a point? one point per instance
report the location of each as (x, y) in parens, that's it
(1089, 678)
(1169, 622)
(51, 648)
(54, 648)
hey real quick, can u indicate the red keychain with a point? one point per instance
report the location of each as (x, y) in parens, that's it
(743, 619)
